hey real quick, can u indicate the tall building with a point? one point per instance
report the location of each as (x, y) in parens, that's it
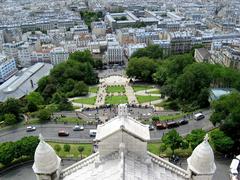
(114, 54)
(7, 68)
(58, 55)
(11, 49)
(121, 153)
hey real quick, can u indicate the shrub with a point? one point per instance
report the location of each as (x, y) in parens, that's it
(67, 147)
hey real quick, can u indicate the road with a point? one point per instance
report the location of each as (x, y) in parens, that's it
(50, 131)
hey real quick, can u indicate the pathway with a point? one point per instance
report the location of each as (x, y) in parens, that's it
(130, 95)
(100, 100)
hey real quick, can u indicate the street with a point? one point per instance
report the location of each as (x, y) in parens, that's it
(50, 131)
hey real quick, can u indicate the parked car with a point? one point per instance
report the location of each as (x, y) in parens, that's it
(78, 128)
(92, 132)
(151, 127)
(63, 133)
(31, 128)
(182, 122)
(198, 116)
(172, 124)
(160, 125)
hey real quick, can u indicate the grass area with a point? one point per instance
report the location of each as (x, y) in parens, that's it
(74, 150)
(93, 89)
(141, 87)
(115, 89)
(155, 92)
(89, 100)
(143, 99)
(72, 120)
(116, 100)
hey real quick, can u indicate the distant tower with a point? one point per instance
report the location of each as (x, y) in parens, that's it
(46, 162)
(201, 163)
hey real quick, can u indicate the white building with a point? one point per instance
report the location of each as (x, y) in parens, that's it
(131, 48)
(98, 28)
(122, 154)
(11, 49)
(114, 54)
(24, 82)
(24, 55)
(7, 68)
(1, 40)
(58, 55)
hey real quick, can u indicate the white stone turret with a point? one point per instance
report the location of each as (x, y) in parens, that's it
(122, 110)
(201, 163)
(46, 162)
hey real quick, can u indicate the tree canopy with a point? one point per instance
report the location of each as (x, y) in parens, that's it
(226, 114)
(70, 78)
(141, 68)
(151, 51)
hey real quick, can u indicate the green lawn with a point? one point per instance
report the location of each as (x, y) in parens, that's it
(116, 100)
(143, 99)
(93, 89)
(155, 92)
(115, 89)
(90, 100)
(74, 150)
(141, 87)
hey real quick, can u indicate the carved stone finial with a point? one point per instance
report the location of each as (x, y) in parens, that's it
(206, 138)
(41, 137)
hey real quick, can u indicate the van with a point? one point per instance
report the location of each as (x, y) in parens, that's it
(92, 132)
(198, 116)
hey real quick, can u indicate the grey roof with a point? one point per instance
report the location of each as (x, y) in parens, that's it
(20, 84)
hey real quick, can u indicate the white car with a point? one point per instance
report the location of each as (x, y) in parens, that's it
(198, 116)
(78, 128)
(31, 128)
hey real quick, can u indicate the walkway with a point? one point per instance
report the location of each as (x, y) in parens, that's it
(130, 95)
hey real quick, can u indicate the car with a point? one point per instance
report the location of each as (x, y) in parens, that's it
(198, 116)
(92, 132)
(182, 122)
(172, 124)
(78, 128)
(160, 125)
(63, 133)
(31, 128)
(151, 127)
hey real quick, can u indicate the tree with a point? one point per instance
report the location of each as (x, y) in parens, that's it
(80, 149)
(195, 137)
(226, 114)
(135, 68)
(65, 105)
(35, 97)
(80, 89)
(152, 52)
(173, 140)
(221, 142)
(82, 56)
(44, 115)
(162, 147)
(7, 151)
(32, 107)
(10, 119)
(57, 148)
(66, 147)
(11, 106)
(27, 146)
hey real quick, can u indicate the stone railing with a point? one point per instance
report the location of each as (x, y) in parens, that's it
(73, 168)
(169, 166)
